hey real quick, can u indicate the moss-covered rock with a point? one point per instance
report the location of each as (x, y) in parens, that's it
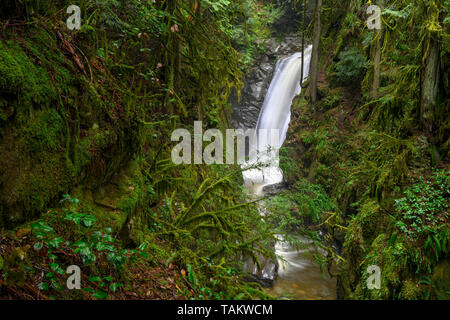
(57, 128)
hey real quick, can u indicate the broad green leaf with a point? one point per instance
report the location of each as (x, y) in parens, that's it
(114, 286)
(95, 279)
(99, 294)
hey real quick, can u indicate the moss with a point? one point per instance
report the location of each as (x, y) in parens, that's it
(441, 280)
(392, 258)
(371, 220)
(33, 139)
(15, 266)
(120, 203)
(333, 98)
(45, 132)
(54, 126)
(20, 76)
(411, 290)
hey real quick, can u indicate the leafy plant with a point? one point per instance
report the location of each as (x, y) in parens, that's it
(351, 67)
(97, 245)
(424, 216)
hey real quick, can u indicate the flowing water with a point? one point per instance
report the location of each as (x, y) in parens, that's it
(298, 276)
(275, 114)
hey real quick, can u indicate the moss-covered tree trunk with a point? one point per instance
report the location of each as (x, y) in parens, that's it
(315, 53)
(430, 79)
(303, 41)
(430, 84)
(377, 60)
(172, 57)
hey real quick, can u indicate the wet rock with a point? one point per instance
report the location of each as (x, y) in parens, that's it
(265, 283)
(257, 82)
(266, 276)
(273, 189)
(266, 69)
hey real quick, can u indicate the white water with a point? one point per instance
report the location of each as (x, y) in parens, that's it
(275, 115)
(298, 276)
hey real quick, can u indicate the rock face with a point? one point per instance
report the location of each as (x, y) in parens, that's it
(257, 82)
(273, 189)
(266, 276)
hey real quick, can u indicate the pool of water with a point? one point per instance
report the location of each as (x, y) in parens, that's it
(299, 277)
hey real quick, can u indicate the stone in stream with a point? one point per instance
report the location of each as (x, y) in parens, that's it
(266, 276)
(274, 188)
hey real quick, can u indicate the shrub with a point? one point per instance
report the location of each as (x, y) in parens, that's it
(351, 67)
(424, 217)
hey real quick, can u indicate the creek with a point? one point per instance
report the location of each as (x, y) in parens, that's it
(298, 277)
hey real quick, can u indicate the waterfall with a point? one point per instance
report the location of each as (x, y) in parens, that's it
(294, 275)
(276, 114)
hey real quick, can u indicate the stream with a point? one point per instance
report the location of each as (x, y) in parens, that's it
(298, 276)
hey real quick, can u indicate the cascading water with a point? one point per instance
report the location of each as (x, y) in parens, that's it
(298, 277)
(275, 115)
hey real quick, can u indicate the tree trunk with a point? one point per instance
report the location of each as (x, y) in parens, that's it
(376, 67)
(377, 61)
(171, 53)
(303, 42)
(429, 93)
(430, 82)
(315, 53)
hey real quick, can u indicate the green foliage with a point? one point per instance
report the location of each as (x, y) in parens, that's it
(126, 18)
(392, 258)
(97, 246)
(365, 150)
(351, 67)
(46, 133)
(385, 162)
(20, 76)
(305, 204)
(204, 214)
(403, 14)
(424, 217)
(192, 277)
(253, 28)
